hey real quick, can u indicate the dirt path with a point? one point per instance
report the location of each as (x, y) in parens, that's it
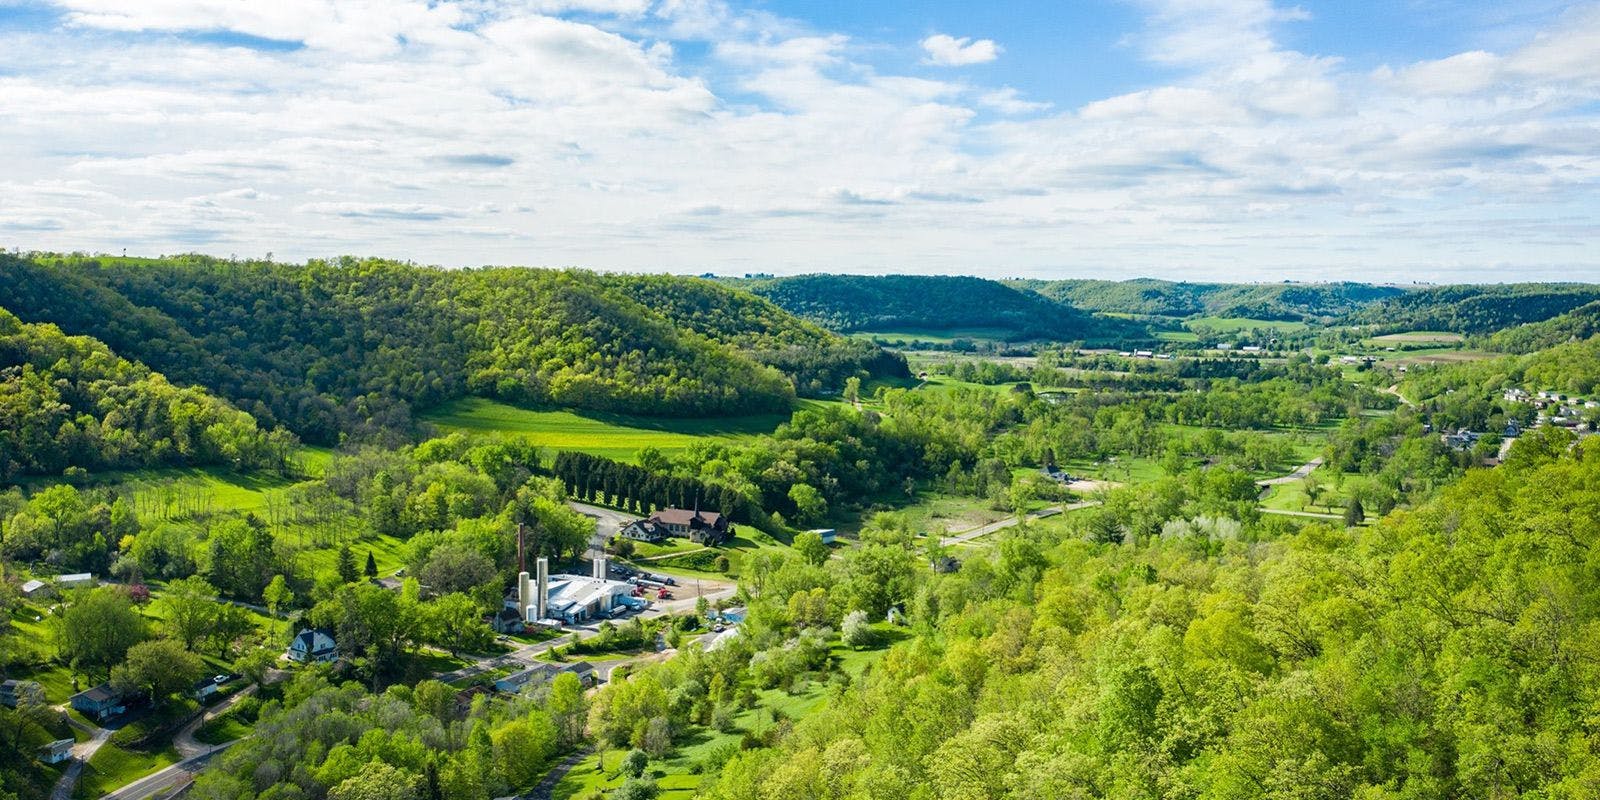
(1395, 390)
(1307, 514)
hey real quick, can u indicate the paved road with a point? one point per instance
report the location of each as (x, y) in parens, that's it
(607, 522)
(1300, 472)
(173, 777)
(184, 741)
(546, 787)
(985, 530)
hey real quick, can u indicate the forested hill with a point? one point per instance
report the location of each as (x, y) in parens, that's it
(1476, 309)
(1447, 652)
(1576, 325)
(350, 346)
(68, 401)
(931, 303)
(1274, 301)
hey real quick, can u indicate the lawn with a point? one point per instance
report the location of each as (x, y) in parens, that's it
(1417, 337)
(610, 435)
(113, 767)
(680, 774)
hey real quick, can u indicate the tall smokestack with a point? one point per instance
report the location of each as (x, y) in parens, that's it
(541, 593)
(522, 544)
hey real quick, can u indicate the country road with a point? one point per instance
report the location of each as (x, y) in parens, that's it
(984, 530)
(1300, 472)
(173, 777)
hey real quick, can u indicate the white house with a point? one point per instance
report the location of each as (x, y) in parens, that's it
(313, 644)
(57, 751)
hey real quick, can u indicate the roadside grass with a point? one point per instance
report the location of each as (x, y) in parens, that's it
(1292, 496)
(610, 435)
(224, 728)
(113, 767)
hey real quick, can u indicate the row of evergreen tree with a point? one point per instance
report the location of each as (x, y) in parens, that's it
(596, 479)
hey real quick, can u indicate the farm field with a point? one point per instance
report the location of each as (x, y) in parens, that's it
(612, 436)
(1236, 324)
(1417, 337)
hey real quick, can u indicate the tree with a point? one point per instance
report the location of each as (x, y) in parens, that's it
(810, 547)
(1354, 514)
(347, 565)
(634, 763)
(636, 789)
(191, 605)
(809, 503)
(372, 566)
(852, 389)
(255, 664)
(229, 623)
(454, 623)
(377, 780)
(522, 746)
(97, 628)
(857, 631)
(277, 594)
(568, 707)
(160, 667)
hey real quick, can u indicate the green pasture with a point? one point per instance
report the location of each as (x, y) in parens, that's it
(1227, 325)
(610, 435)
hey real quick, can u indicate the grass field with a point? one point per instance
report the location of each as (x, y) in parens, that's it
(113, 767)
(1236, 324)
(1417, 337)
(906, 337)
(676, 775)
(613, 436)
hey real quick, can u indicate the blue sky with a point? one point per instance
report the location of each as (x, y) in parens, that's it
(1216, 139)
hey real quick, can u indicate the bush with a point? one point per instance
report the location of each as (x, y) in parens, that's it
(634, 762)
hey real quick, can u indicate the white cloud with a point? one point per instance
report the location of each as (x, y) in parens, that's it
(434, 129)
(948, 51)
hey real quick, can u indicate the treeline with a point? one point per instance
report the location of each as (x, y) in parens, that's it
(933, 303)
(1471, 309)
(1274, 301)
(349, 347)
(597, 479)
(69, 401)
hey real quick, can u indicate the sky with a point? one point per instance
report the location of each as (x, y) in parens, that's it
(1380, 140)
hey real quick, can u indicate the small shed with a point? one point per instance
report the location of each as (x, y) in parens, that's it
(57, 751)
(34, 588)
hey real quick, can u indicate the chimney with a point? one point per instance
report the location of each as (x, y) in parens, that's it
(601, 565)
(522, 543)
(541, 594)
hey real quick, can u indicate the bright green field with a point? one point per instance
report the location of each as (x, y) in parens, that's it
(113, 767)
(610, 435)
(1233, 324)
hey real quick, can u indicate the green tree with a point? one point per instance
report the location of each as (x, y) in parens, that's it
(455, 623)
(97, 628)
(568, 707)
(191, 609)
(160, 667)
(1354, 514)
(809, 503)
(372, 566)
(277, 595)
(810, 547)
(347, 565)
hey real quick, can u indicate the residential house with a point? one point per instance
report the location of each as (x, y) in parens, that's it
(313, 645)
(1462, 439)
(100, 702)
(700, 527)
(1056, 474)
(57, 751)
(643, 530)
(506, 620)
(1512, 430)
(515, 681)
